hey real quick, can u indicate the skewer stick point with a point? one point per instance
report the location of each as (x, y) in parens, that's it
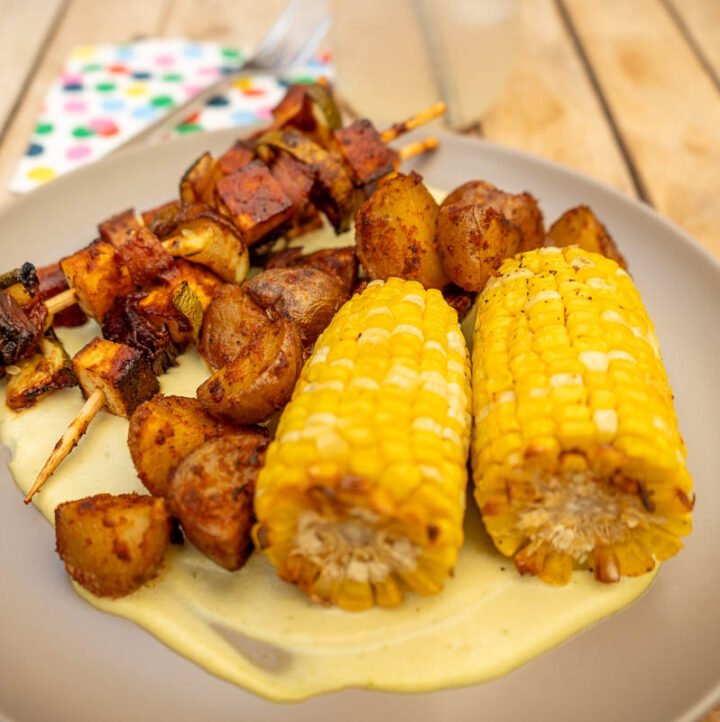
(414, 121)
(418, 148)
(69, 439)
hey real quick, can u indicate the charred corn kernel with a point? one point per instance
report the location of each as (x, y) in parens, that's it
(357, 503)
(576, 454)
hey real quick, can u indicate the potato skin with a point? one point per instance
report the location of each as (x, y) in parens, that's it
(522, 209)
(259, 380)
(307, 297)
(211, 493)
(473, 240)
(341, 263)
(580, 226)
(112, 545)
(163, 431)
(395, 232)
(232, 321)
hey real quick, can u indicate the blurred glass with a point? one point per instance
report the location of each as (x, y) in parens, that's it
(393, 57)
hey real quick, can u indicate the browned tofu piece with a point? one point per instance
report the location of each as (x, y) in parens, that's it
(98, 276)
(163, 431)
(254, 200)
(112, 545)
(115, 229)
(198, 183)
(211, 493)
(236, 158)
(144, 256)
(123, 373)
(364, 152)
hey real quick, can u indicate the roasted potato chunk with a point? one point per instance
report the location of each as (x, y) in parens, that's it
(198, 183)
(232, 322)
(338, 262)
(473, 240)
(112, 545)
(579, 226)
(123, 373)
(259, 380)
(522, 209)
(163, 431)
(47, 371)
(98, 276)
(306, 297)
(395, 233)
(254, 201)
(211, 493)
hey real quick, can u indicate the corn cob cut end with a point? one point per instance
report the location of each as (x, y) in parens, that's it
(577, 457)
(363, 491)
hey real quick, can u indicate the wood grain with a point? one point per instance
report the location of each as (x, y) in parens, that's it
(664, 104)
(549, 106)
(23, 32)
(701, 18)
(85, 22)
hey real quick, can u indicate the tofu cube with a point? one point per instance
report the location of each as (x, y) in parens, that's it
(98, 276)
(364, 152)
(116, 229)
(122, 372)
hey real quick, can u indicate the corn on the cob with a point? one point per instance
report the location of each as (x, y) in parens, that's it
(363, 490)
(576, 454)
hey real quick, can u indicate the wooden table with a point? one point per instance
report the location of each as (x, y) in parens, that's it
(627, 91)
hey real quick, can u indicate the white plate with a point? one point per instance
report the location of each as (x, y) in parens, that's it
(659, 660)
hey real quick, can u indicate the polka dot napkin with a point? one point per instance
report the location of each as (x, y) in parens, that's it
(108, 93)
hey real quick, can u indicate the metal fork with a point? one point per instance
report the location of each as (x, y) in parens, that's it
(293, 39)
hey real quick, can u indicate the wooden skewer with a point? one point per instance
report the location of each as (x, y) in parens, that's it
(414, 121)
(69, 439)
(61, 301)
(418, 148)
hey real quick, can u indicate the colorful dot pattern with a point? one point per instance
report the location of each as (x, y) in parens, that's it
(108, 93)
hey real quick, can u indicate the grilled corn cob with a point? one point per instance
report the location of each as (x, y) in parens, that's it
(363, 490)
(577, 457)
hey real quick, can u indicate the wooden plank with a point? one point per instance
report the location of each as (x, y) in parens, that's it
(84, 22)
(701, 20)
(24, 29)
(549, 106)
(664, 103)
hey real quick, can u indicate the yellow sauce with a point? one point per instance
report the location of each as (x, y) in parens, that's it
(258, 632)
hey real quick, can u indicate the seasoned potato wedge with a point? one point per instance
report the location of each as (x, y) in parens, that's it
(395, 232)
(522, 209)
(259, 380)
(305, 296)
(211, 493)
(112, 545)
(341, 263)
(163, 431)
(579, 226)
(473, 240)
(232, 321)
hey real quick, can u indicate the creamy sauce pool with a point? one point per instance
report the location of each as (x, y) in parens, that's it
(261, 633)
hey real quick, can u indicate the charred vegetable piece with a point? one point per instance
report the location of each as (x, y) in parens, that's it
(579, 226)
(129, 537)
(121, 372)
(364, 152)
(520, 209)
(338, 262)
(21, 329)
(395, 233)
(254, 201)
(98, 276)
(204, 237)
(116, 229)
(333, 192)
(201, 280)
(53, 281)
(47, 371)
(308, 107)
(236, 157)
(473, 240)
(306, 297)
(163, 431)
(198, 183)
(211, 493)
(232, 322)
(21, 283)
(126, 323)
(259, 380)
(144, 256)
(157, 219)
